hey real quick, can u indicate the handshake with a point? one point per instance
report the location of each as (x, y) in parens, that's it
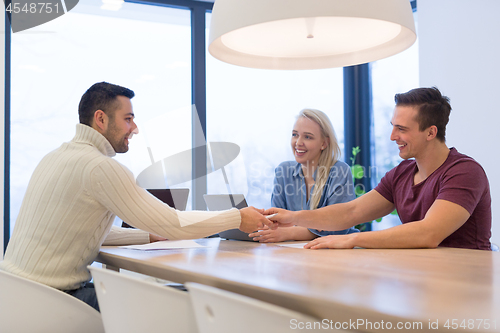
(253, 219)
(265, 226)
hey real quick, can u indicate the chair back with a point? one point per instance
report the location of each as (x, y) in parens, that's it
(221, 311)
(27, 306)
(131, 305)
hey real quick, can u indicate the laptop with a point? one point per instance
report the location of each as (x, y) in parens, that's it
(174, 197)
(227, 201)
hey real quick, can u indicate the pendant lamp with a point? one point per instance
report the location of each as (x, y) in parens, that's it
(309, 34)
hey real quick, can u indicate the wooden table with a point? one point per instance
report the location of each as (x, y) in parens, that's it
(407, 289)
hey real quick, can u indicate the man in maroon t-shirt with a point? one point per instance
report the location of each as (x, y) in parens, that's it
(442, 196)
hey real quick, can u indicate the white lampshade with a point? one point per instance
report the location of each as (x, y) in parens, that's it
(309, 34)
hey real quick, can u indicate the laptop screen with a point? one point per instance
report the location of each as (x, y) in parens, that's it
(174, 197)
(224, 201)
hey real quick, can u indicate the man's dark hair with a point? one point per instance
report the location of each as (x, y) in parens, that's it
(433, 108)
(101, 96)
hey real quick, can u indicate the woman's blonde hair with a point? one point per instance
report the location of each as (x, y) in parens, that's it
(329, 156)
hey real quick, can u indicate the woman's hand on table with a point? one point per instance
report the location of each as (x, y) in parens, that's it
(282, 234)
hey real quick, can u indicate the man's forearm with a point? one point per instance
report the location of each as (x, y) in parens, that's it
(335, 217)
(409, 235)
(441, 220)
(341, 216)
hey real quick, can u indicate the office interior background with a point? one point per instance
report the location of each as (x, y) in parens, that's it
(148, 48)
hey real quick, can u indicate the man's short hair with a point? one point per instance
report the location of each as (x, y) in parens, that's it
(433, 108)
(101, 96)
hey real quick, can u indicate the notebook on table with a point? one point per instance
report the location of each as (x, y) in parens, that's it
(227, 201)
(174, 197)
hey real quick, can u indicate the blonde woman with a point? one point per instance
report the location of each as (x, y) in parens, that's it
(315, 179)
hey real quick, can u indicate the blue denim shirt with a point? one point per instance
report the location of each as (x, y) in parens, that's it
(289, 191)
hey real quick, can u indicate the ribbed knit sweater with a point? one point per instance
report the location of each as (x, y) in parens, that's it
(71, 201)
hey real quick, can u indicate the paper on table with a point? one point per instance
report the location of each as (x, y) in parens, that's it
(165, 245)
(298, 245)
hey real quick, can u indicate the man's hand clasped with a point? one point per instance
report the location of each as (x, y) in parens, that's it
(253, 219)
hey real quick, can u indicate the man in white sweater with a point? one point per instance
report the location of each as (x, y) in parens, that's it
(77, 190)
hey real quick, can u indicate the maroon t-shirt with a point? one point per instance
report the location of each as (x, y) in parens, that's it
(461, 180)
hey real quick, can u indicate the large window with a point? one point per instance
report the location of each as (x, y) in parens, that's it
(256, 110)
(148, 49)
(145, 48)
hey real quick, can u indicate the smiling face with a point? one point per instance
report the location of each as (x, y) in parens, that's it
(411, 141)
(121, 125)
(307, 141)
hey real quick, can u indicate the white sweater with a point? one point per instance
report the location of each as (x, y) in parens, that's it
(69, 207)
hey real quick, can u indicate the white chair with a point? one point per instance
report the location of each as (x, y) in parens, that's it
(27, 306)
(130, 305)
(221, 311)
